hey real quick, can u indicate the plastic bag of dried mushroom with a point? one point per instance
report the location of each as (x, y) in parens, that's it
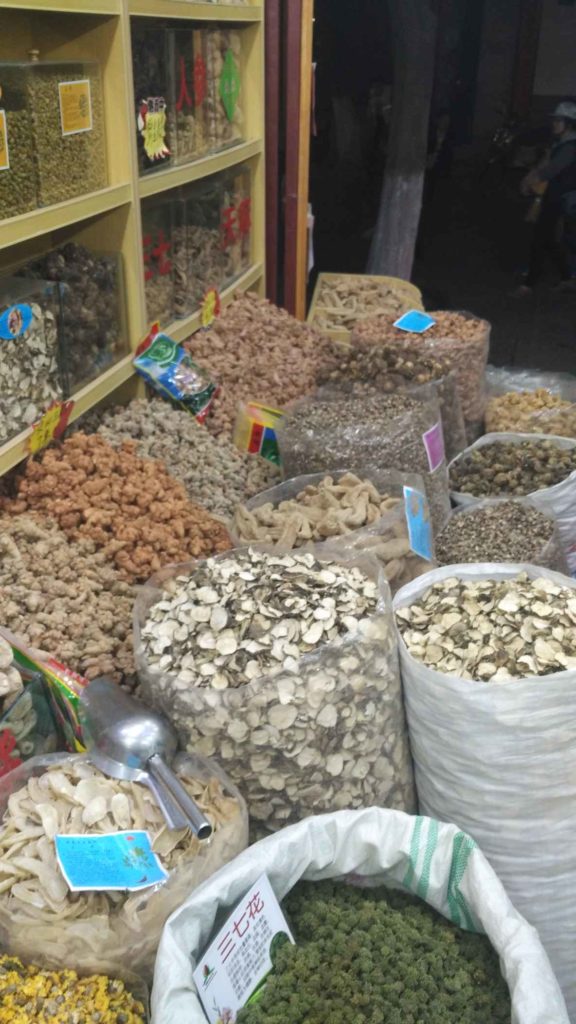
(501, 531)
(358, 426)
(462, 338)
(40, 918)
(285, 665)
(488, 657)
(539, 466)
(370, 513)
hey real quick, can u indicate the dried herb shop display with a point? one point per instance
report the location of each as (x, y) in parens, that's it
(30, 365)
(511, 466)
(285, 665)
(94, 930)
(92, 316)
(363, 955)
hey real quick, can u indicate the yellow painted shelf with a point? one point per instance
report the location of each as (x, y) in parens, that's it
(182, 329)
(198, 12)
(51, 218)
(66, 6)
(161, 181)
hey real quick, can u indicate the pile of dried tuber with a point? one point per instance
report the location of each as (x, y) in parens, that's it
(130, 507)
(258, 353)
(65, 598)
(214, 472)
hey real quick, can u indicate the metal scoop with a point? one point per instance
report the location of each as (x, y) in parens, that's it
(129, 741)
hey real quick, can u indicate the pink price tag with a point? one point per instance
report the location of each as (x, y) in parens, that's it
(434, 444)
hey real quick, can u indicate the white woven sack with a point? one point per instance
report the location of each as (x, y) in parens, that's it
(499, 759)
(436, 862)
(559, 501)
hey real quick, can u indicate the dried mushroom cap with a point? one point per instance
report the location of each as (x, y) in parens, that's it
(513, 468)
(493, 630)
(251, 614)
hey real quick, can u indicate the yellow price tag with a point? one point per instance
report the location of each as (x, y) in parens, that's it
(75, 107)
(4, 154)
(210, 307)
(52, 424)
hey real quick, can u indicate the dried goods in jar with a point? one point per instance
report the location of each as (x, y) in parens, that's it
(93, 929)
(531, 412)
(258, 353)
(492, 630)
(223, 108)
(460, 337)
(285, 664)
(505, 531)
(135, 512)
(18, 179)
(65, 598)
(509, 467)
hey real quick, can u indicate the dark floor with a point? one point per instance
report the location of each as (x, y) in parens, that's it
(472, 250)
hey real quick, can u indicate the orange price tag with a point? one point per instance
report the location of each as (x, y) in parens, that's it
(52, 425)
(210, 307)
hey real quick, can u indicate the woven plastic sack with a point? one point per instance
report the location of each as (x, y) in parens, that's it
(500, 760)
(559, 501)
(102, 941)
(506, 383)
(550, 554)
(436, 862)
(351, 427)
(390, 538)
(325, 734)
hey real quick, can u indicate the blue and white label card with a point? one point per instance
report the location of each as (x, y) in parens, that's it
(415, 321)
(418, 522)
(119, 860)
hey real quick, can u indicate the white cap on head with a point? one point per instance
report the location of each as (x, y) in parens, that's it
(566, 109)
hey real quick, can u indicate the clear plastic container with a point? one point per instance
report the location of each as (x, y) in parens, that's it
(93, 326)
(224, 100)
(18, 175)
(30, 364)
(158, 215)
(153, 93)
(188, 77)
(236, 221)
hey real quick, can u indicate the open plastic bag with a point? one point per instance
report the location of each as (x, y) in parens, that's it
(362, 428)
(502, 379)
(328, 732)
(531, 401)
(58, 929)
(500, 760)
(559, 501)
(436, 862)
(398, 538)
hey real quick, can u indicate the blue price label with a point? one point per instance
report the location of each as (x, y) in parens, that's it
(15, 321)
(415, 322)
(119, 860)
(418, 522)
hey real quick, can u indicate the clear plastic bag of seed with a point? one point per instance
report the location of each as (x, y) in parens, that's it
(42, 920)
(285, 664)
(383, 513)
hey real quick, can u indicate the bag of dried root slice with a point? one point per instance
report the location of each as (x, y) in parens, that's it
(488, 657)
(501, 531)
(384, 514)
(541, 467)
(285, 664)
(358, 426)
(42, 920)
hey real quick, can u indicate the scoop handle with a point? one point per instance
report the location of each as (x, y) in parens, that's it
(160, 771)
(173, 814)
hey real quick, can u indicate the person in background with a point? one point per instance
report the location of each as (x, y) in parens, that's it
(553, 183)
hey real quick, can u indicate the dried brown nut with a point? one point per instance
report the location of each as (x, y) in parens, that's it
(506, 531)
(132, 508)
(492, 630)
(283, 664)
(511, 468)
(531, 412)
(258, 352)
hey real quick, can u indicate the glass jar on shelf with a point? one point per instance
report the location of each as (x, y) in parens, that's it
(18, 175)
(236, 222)
(224, 100)
(153, 93)
(188, 98)
(158, 253)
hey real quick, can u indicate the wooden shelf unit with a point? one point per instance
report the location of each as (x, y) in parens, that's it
(110, 220)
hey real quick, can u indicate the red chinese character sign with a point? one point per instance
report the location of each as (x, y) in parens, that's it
(8, 760)
(240, 957)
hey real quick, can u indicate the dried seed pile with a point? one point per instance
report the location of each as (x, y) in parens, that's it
(396, 367)
(65, 598)
(132, 508)
(493, 630)
(362, 428)
(343, 302)
(459, 337)
(72, 797)
(29, 372)
(300, 734)
(333, 507)
(33, 995)
(531, 412)
(214, 472)
(509, 467)
(260, 353)
(506, 531)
